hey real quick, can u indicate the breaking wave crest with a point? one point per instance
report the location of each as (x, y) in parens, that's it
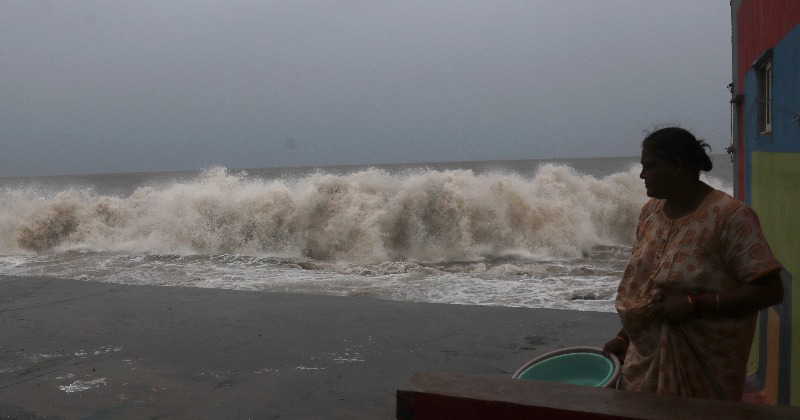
(366, 217)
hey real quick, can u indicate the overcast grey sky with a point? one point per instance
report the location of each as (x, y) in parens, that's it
(125, 86)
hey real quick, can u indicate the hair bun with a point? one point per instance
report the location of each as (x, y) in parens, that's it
(675, 143)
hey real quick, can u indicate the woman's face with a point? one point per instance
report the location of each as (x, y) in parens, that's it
(659, 175)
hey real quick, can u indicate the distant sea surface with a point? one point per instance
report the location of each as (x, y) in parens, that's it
(526, 233)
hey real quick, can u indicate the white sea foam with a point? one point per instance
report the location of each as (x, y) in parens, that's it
(79, 386)
(368, 216)
(552, 237)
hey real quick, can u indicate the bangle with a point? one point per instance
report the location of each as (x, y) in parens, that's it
(701, 305)
(623, 339)
(692, 308)
(717, 296)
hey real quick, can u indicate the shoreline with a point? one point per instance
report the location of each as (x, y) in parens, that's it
(89, 349)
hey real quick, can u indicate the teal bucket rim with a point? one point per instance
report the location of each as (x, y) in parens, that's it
(610, 379)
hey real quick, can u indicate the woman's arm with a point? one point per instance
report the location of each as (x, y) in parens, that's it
(618, 346)
(749, 297)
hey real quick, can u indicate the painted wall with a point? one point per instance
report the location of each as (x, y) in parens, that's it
(785, 135)
(769, 171)
(754, 36)
(776, 199)
(758, 25)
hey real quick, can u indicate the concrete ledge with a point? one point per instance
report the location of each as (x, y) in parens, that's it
(437, 395)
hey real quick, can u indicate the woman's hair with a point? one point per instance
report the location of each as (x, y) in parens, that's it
(675, 143)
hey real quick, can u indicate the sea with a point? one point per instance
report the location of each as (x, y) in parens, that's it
(521, 233)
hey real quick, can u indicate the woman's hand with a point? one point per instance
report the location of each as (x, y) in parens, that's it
(674, 308)
(618, 347)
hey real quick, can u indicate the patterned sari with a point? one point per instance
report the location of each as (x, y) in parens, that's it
(717, 247)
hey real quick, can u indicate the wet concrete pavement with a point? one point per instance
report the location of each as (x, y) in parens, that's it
(76, 349)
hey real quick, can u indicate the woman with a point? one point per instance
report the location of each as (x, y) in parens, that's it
(700, 271)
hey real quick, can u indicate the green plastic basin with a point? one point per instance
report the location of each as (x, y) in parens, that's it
(588, 369)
